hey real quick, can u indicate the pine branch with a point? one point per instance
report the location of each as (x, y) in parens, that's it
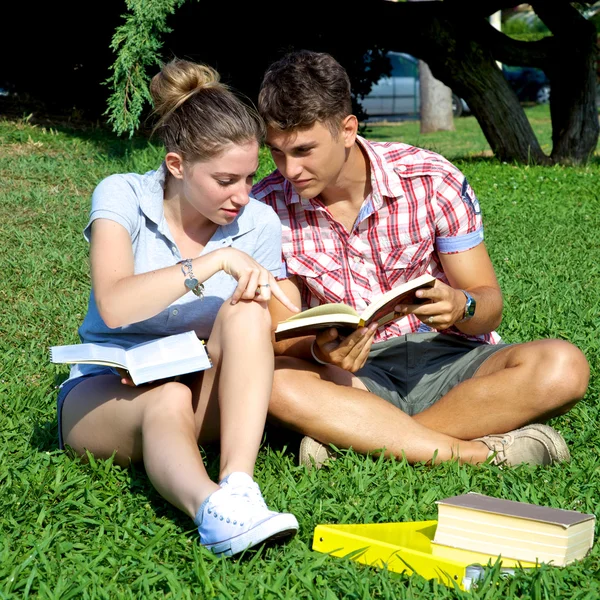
(137, 44)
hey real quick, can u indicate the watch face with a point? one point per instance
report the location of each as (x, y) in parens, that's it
(470, 307)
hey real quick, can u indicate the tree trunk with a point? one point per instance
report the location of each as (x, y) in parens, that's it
(445, 41)
(572, 73)
(435, 102)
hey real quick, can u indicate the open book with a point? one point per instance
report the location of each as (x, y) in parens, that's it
(149, 361)
(346, 319)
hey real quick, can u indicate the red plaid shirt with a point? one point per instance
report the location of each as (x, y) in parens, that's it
(420, 204)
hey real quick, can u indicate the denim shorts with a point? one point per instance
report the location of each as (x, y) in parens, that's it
(414, 371)
(64, 390)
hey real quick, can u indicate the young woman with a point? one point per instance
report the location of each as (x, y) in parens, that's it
(181, 248)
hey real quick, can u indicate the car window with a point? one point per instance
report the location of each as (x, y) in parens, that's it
(402, 67)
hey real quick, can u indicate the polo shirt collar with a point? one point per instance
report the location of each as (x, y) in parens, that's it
(151, 203)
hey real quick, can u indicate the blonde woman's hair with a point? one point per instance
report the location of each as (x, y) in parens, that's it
(198, 115)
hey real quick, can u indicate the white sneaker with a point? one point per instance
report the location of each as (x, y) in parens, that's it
(236, 518)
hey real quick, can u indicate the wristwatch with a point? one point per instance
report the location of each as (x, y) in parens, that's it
(469, 307)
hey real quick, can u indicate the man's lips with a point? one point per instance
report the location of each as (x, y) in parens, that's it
(301, 182)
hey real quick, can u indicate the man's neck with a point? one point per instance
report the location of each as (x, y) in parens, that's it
(353, 184)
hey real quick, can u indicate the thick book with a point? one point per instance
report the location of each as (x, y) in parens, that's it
(149, 361)
(516, 530)
(346, 319)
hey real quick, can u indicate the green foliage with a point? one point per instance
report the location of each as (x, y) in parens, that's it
(95, 530)
(137, 44)
(524, 22)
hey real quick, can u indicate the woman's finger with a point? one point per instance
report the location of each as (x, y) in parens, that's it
(252, 284)
(278, 293)
(242, 285)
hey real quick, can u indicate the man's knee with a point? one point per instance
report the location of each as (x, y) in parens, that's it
(560, 373)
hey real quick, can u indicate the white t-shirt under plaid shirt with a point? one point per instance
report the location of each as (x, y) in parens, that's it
(420, 205)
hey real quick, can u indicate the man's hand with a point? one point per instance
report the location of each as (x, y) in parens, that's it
(349, 353)
(444, 307)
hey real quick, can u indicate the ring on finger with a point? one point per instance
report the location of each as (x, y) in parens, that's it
(430, 320)
(261, 285)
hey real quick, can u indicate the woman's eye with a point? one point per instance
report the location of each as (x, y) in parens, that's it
(224, 183)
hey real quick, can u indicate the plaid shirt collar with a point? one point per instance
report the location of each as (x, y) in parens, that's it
(383, 182)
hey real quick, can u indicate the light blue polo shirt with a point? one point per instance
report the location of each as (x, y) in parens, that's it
(136, 202)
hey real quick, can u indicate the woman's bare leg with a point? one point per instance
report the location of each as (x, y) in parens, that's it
(240, 348)
(155, 423)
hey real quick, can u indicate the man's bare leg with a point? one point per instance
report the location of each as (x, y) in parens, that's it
(522, 384)
(333, 407)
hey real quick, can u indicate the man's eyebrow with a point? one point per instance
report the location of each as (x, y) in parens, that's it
(305, 146)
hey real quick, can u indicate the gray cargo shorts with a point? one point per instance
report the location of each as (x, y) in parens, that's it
(414, 371)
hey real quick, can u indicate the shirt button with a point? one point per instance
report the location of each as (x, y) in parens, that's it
(356, 259)
(401, 168)
(175, 312)
(174, 248)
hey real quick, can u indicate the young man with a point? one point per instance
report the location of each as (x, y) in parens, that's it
(358, 218)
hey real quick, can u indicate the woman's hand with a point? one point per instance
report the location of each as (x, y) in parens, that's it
(254, 281)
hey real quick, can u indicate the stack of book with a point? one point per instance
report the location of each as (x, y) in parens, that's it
(472, 532)
(515, 530)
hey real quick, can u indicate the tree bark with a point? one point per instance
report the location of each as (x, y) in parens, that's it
(572, 74)
(445, 41)
(435, 102)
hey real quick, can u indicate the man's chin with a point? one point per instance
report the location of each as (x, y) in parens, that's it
(308, 192)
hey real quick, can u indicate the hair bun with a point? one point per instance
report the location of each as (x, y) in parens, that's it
(177, 81)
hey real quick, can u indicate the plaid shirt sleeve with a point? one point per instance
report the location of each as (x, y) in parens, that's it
(458, 215)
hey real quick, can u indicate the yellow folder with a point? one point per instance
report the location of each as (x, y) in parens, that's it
(407, 548)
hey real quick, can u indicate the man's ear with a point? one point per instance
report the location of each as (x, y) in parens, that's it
(174, 163)
(350, 130)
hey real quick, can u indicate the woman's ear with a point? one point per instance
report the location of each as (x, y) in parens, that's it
(349, 130)
(174, 163)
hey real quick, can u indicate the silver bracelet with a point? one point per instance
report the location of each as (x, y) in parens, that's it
(191, 283)
(312, 351)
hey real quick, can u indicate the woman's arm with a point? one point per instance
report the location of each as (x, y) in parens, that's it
(123, 298)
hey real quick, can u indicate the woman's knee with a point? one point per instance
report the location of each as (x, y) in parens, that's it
(243, 316)
(171, 399)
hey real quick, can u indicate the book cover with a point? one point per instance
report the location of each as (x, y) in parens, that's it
(519, 530)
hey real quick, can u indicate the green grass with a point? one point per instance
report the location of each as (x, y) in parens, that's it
(74, 530)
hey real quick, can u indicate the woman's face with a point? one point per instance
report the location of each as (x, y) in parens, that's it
(218, 188)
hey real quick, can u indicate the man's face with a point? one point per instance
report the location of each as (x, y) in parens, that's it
(311, 159)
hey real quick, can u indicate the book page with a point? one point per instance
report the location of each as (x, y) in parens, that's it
(164, 350)
(97, 354)
(323, 310)
(382, 309)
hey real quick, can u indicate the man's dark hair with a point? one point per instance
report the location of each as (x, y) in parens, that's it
(302, 88)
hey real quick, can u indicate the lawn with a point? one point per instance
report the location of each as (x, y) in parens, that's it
(75, 530)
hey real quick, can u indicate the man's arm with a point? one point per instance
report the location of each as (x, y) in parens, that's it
(472, 271)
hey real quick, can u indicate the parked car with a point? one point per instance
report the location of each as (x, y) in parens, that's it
(398, 94)
(530, 84)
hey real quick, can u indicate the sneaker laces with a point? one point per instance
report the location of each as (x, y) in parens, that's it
(243, 489)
